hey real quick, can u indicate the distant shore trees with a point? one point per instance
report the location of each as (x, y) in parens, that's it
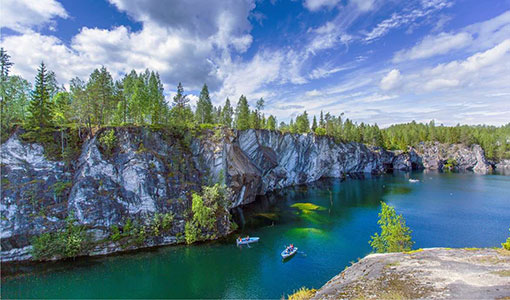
(138, 99)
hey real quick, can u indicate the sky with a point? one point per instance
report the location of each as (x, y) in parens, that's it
(376, 61)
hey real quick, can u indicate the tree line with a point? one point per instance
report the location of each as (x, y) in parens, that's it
(138, 99)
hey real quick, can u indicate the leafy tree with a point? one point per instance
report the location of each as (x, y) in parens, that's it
(242, 114)
(302, 123)
(16, 99)
(271, 123)
(62, 114)
(40, 106)
(395, 235)
(5, 65)
(203, 113)
(100, 89)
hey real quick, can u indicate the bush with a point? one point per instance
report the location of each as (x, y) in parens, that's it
(191, 233)
(450, 164)
(320, 131)
(107, 141)
(67, 243)
(506, 245)
(395, 235)
(302, 294)
(60, 188)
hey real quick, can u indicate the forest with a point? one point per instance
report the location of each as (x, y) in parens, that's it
(138, 100)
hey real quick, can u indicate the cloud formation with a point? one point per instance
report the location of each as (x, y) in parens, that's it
(24, 15)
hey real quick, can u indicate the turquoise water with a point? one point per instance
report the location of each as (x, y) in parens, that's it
(443, 209)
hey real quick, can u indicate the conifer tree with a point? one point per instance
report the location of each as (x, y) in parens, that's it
(5, 65)
(314, 124)
(40, 106)
(227, 114)
(203, 113)
(242, 114)
(271, 123)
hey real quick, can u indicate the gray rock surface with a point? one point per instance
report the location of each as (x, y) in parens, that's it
(152, 172)
(435, 273)
(435, 155)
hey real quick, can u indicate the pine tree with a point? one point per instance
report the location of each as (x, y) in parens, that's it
(203, 113)
(314, 124)
(158, 105)
(242, 114)
(40, 106)
(181, 114)
(322, 124)
(227, 114)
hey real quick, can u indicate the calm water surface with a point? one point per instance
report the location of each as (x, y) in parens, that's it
(448, 210)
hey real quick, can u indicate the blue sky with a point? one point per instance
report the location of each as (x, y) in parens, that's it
(376, 61)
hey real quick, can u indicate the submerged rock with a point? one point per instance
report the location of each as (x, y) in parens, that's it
(436, 273)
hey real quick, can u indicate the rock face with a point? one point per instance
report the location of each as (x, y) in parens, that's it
(435, 273)
(435, 155)
(152, 172)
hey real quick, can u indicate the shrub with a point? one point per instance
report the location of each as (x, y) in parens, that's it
(302, 294)
(60, 188)
(115, 233)
(67, 243)
(191, 233)
(395, 235)
(450, 164)
(108, 141)
(320, 131)
(506, 245)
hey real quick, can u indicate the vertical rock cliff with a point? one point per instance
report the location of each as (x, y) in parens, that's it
(152, 173)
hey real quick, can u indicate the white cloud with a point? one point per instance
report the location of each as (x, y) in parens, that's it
(315, 5)
(434, 45)
(483, 70)
(23, 15)
(400, 19)
(391, 80)
(479, 36)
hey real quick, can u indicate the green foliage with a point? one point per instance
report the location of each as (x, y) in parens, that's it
(40, 108)
(320, 131)
(227, 114)
(302, 123)
(450, 164)
(115, 233)
(61, 188)
(506, 245)
(203, 113)
(67, 243)
(205, 208)
(108, 142)
(395, 235)
(242, 120)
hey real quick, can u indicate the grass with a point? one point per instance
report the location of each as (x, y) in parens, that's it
(414, 251)
(302, 294)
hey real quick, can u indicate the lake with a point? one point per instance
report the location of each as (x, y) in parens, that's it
(330, 222)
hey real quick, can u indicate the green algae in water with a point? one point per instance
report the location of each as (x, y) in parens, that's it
(270, 216)
(307, 206)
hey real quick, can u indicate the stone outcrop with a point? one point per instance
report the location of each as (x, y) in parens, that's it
(435, 155)
(436, 273)
(153, 172)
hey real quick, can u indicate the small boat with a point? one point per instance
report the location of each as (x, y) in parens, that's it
(288, 252)
(414, 180)
(247, 240)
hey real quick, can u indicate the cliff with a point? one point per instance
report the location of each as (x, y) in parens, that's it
(148, 175)
(436, 273)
